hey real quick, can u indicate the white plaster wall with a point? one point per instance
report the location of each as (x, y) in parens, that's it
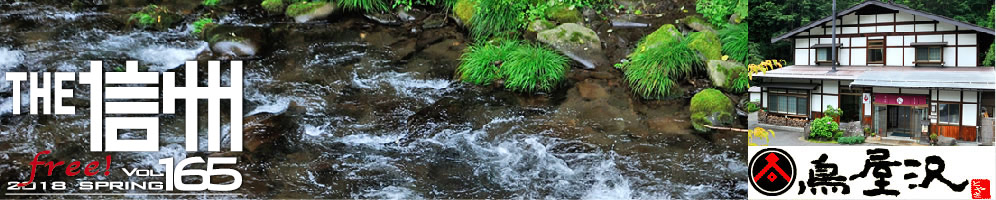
(885, 29)
(904, 17)
(824, 41)
(859, 56)
(801, 43)
(845, 42)
(971, 96)
(859, 41)
(816, 31)
(894, 41)
(849, 19)
(755, 96)
(829, 101)
(949, 56)
(868, 29)
(929, 38)
(915, 91)
(894, 56)
(801, 56)
(904, 28)
(845, 56)
(949, 95)
(941, 26)
(907, 40)
(764, 99)
(950, 39)
(868, 109)
(923, 27)
(968, 114)
(814, 103)
(866, 19)
(885, 18)
(909, 54)
(812, 57)
(967, 56)
(830, 87)
(966, 39)
(849, 30)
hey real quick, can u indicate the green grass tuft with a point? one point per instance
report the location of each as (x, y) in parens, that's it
(734, 38)
(651, 72)
(210, 3)
(497, 18)
(199, 24)
(533, 68)
(480, 63)
(273, 6)
(364, 5)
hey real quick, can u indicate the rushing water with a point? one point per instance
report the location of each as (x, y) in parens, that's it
(348, 120)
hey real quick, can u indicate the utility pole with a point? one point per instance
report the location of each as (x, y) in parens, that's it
(833, 38)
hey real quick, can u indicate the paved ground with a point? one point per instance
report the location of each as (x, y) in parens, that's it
(792, 136)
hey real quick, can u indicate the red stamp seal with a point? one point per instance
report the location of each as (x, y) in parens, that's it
(980, 189)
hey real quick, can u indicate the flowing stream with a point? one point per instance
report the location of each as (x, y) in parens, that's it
(339, 116)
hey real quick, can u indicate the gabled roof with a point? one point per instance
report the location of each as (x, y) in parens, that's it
(888, 6)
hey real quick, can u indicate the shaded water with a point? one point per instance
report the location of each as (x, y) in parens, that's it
(333, 112)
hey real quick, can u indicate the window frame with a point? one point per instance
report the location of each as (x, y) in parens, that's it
(946, 112)
(916, 55)
(773, 94)
(879, 46)
(828, 60)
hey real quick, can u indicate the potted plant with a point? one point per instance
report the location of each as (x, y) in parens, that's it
(933, 139)
(752, 111)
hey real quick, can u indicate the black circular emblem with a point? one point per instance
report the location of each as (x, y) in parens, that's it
(772, 171)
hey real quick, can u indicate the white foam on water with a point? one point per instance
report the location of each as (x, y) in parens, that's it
(275, 107)
(389, 192)
(404, 84)
(10, 58)
(162, 57)
(367, 139)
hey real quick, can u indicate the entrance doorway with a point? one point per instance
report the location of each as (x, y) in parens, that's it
(851, 105)
(899, 122)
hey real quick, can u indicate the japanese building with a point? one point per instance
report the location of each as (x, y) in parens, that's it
(902, 72)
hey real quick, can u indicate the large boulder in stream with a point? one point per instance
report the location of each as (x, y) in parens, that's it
(232, 42)
(707, 44)
(710, 107)
(274, 130)
(723, 73)
(463, 11)
(577, 42)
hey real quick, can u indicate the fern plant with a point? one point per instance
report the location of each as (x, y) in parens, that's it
(533, 68)
(735, 44)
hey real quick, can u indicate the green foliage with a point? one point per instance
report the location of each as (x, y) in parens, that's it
(706, 43)
(933, 137)
(715, 11)
(663, 35)
(739, 80)
(199, 24)
(833, 112)
(525, 68)
(753, 107)
(497, 18)
(651, 72)
(480, 63)
(851, 140)
(734, 38)
(408, 4)
(153, 16)
(563, 13)
(364, 5)
(824, 128)
(273, 6)
(301, 8)
(533, 68)
(210, 3)
(990, 56)
(709, 102)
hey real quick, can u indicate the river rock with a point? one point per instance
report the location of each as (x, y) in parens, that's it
(710, 107)
(562, 13)
(721, 72)
(305, 12)
(696, 23)
(945, 141)
(231, 42)
(384, 18)
(577, 42)
(436, 20)
(590, 90)
(269, 131)
(540, 25)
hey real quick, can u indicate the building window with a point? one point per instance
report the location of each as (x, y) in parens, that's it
(928, 54)
(788, 102)
(823, 55)
(876, 51)
(948, 113)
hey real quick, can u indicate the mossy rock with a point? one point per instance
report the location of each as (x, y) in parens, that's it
(721, 73)
(273, 6)
(561, 13)
(577, 42)
(464, 11)
(665, 34)
(707, 44)
(710, 107)
(308, 11)
(154, 17)
(540, 25)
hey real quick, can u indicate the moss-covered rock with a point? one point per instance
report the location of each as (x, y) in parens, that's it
(721, 73)
(540, 25)
(307, 11)
(665, 34)
(577, 42)
(234, 42)
(154, 17)
(273, 6)
(562, 13)
(710, 107)
(464, 11)
(707, 44)
(698, 24)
